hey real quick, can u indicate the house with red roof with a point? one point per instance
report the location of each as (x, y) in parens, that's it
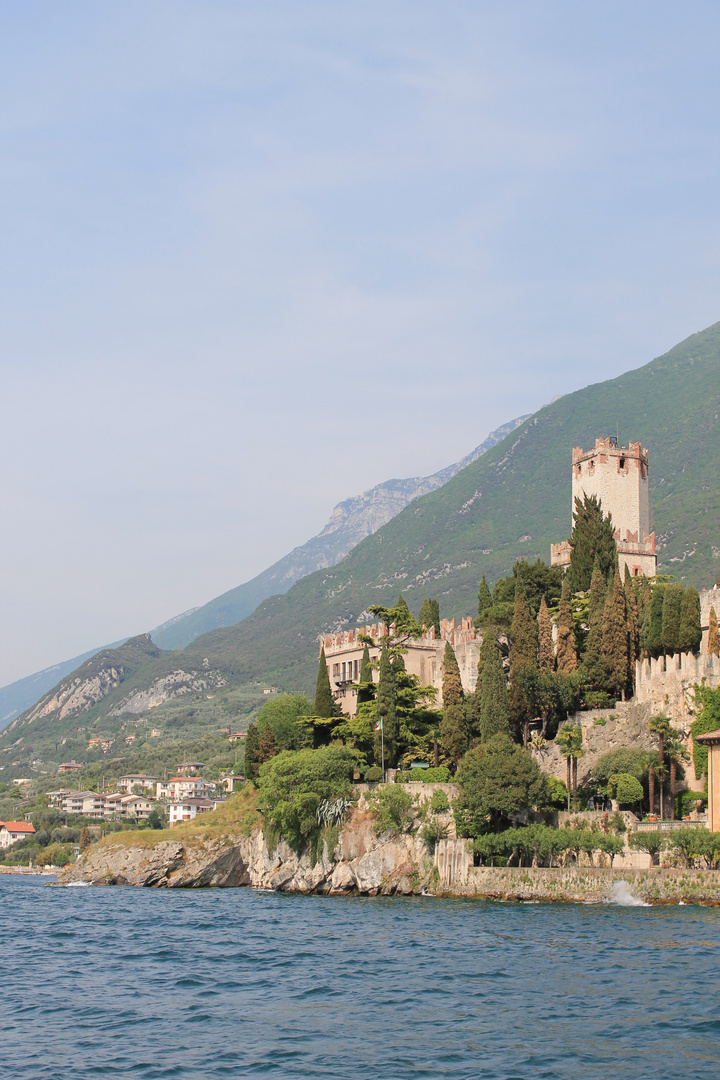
(10, 831)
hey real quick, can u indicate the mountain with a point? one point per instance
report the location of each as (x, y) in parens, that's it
(350, 522)
(510, 503)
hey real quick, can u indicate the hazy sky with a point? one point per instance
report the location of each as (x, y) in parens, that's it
(257, 257)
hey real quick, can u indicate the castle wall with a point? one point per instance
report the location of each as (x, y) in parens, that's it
(666, 683)
(424, 657)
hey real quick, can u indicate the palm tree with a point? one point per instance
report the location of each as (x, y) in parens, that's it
(570, 739)
(661, 727)
(676, 752)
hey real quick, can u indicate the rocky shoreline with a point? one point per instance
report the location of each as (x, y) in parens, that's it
(364, 864)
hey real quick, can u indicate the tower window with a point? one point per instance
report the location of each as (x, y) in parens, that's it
(622, 462)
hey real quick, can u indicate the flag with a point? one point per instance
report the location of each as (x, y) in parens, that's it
(378, 726)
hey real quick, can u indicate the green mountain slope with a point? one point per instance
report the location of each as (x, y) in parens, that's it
(512, 502)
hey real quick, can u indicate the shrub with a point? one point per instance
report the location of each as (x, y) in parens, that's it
(628, 789)
(292, 785)
(557, 797)
(439, 802)
(432, 832)
(689, 800)
(440, 775)
(625, 759)
(374, 774)
(391, 806)
(598, 699)
(600, 721)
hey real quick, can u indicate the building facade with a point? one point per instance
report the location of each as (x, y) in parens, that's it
(424, 657)
(618, 476)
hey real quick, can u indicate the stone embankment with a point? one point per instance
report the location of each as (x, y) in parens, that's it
(361, 862)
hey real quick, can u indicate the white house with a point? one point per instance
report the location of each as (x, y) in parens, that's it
(191, 787)
(136, 806)
(136, 782)
(10, 831)
(187, 809)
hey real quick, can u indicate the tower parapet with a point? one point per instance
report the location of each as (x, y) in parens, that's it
(618, 477)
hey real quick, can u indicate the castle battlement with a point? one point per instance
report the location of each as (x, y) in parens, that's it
(618, 477)
(424, 656)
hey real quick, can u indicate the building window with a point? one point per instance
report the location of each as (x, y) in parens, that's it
(622, 463)
(343, 674)
(336, 671)
(357, 670)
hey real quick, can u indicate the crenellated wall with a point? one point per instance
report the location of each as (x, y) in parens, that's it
(424, 656)
(667, 682)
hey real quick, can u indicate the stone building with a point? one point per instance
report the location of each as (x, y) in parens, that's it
(424, 657)
(618, 476)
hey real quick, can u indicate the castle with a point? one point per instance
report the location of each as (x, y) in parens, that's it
(618, 477)
(424, 657)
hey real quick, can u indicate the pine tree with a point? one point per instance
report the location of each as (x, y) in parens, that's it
(631, 606)
(453, 729)
(566, 648)
(690, 633)
(546, 649)
(324, 701)
(713, 634)
(523, 656)
(652, 623)
(671, 613)
(591, 541)
(366, 687)
(252, 751)
(484, 596)
(494, 712)
(430, 615)
(615, 638)
(385, 710)
(593, 662)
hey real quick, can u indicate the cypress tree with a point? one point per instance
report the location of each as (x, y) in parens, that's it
(324, 701)
(84, 839)
(593, 662)
(713, 634)
(385, 710)
(252, 751)
(591, 541)
(671, 613)
(566, 648)
(366, 687)
(631, 606)
(523, 656)
(484, 596)
(494, 710)
(546, 650)
(652, 622)
(473, 702)
(430, 615)
(453, 729)
(615, 638)
(690, 633)
(268, 746)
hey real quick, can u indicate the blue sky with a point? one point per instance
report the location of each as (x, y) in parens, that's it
(260, 257)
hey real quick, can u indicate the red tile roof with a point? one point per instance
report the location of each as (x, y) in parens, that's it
(18, 826)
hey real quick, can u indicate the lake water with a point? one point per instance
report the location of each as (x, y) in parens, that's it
(146, 984)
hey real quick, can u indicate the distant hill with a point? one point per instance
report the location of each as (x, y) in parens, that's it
(350, 522)
(511, 502)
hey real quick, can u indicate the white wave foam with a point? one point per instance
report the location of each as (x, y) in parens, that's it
(621, 895)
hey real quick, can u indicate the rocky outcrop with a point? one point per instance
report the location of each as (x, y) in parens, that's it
(360, 861)
(169, 686)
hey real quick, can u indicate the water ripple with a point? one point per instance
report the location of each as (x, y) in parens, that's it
(148, 985)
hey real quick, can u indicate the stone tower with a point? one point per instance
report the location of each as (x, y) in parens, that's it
(618, 477)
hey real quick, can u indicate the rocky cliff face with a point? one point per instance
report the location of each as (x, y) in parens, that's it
(359, 862)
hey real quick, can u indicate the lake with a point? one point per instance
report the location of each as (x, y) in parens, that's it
(148, 984)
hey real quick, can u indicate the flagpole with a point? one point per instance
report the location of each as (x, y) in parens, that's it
(382, 746)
